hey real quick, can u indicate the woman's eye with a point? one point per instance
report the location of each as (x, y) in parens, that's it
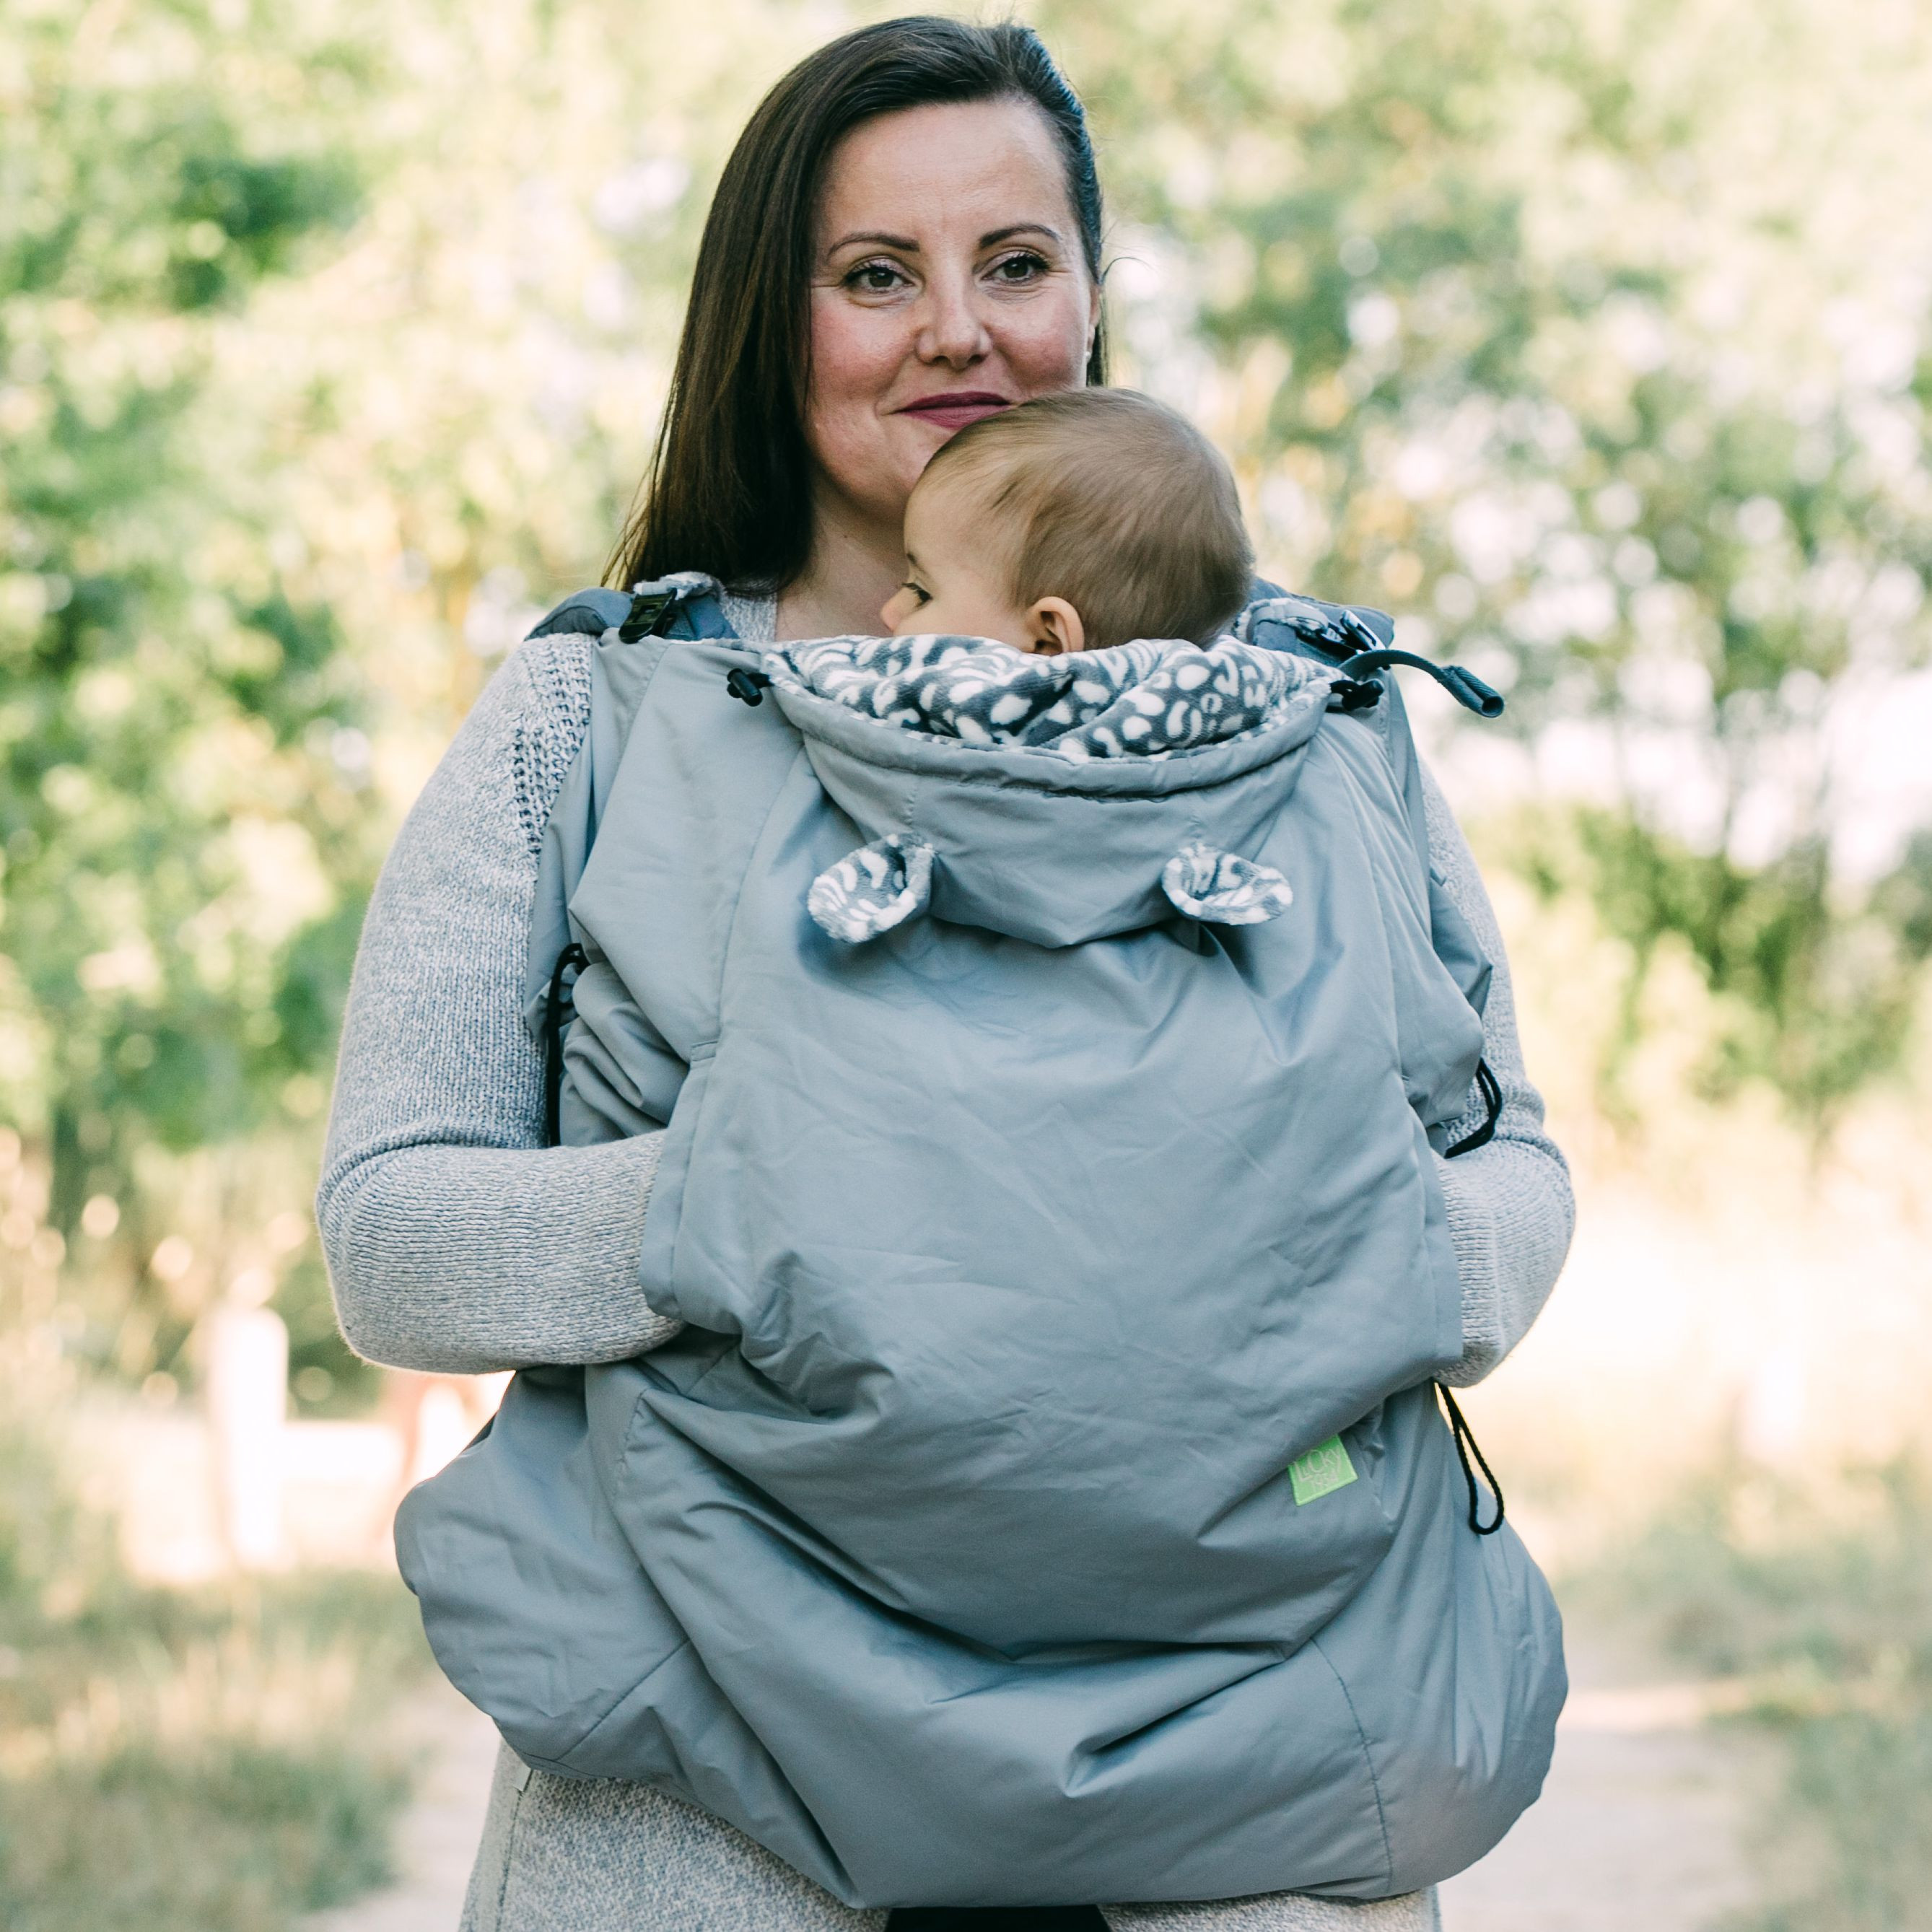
(875, 278)
(1025, 267)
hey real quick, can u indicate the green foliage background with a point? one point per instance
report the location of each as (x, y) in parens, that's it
(1589, 340)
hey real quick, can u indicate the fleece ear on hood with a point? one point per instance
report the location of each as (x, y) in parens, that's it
(873, 889)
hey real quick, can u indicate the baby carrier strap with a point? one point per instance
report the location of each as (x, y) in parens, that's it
(1332, 633)
(685, 604)
(666, 660)
(584, 612)
(642, 622)
(1336, 633)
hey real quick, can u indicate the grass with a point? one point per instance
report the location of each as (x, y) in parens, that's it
(214, 1760)
(1820, 1598)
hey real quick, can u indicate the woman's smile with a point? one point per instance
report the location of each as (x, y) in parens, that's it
(952, 409)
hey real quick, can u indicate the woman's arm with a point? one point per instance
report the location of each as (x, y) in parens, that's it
(1511, 1209)
(456, 1240)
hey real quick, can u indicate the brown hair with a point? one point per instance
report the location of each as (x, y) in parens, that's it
(1118, 504)
(728, 490)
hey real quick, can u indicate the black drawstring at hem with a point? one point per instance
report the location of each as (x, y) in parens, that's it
(1466, 1446)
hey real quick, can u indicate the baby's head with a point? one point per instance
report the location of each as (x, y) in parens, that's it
(1075, 521)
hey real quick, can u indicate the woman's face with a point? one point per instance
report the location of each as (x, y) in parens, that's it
(947, 283)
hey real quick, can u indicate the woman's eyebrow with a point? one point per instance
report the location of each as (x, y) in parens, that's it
(878, 238)
(874, 239)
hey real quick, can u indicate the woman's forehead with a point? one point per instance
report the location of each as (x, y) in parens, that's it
(974, 168)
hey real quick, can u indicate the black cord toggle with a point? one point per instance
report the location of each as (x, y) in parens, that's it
(748, 687)
(572, 959)
(1354, 694)
(1464, 686)
(1464, 1437)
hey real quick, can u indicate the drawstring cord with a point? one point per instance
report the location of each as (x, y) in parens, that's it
(1360, 687)
(572, 959)
(1492, 1106)
(1466, 1446)
(1460, 1431)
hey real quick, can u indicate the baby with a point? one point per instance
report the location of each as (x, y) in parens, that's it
(1074, 563)
(1072, 523)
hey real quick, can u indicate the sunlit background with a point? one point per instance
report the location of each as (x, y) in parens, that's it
(1590, 339)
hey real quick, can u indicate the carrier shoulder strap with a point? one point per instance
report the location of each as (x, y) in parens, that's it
(1360, 640)
(1331, 634)
(633, 629)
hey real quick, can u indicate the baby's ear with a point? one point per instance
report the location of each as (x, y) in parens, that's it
(1053, 626)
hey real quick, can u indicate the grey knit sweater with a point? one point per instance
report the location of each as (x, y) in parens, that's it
(457, 1242)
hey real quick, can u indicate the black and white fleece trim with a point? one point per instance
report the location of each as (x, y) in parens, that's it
(1149, 698)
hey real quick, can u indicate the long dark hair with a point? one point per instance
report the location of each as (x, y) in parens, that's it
(728, 490)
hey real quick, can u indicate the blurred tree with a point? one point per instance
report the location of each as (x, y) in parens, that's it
(185, 849)
(1590, 341)
(330, 340)
(1816, 995)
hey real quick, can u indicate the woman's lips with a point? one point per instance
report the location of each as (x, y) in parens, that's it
(958, 408)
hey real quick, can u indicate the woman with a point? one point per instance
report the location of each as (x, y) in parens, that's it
(906, 237)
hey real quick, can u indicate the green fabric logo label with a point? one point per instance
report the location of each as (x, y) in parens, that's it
(1324, 1469)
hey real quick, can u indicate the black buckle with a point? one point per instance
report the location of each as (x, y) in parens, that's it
(748, 687)
(1355, 694)
(647, 613)
(1344, 635)
(1353, 627)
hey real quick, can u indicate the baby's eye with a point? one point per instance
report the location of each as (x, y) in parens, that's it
(919, 590)
(1016, 269)
(874, 278)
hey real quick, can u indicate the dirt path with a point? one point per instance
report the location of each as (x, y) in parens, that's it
(439, 1832)
(1639, 1826)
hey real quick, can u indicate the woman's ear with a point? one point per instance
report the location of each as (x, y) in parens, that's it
(1053, 626)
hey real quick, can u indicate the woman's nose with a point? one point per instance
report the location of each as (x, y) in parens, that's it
(953, 330)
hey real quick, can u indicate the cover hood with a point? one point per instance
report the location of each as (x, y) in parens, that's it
(1052, 800)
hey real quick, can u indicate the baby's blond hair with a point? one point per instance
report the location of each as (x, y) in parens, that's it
(1117, 504)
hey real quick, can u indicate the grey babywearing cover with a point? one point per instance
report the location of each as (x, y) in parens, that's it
(1046, 1501)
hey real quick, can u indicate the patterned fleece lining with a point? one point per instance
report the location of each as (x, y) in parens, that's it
(1147, 699)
